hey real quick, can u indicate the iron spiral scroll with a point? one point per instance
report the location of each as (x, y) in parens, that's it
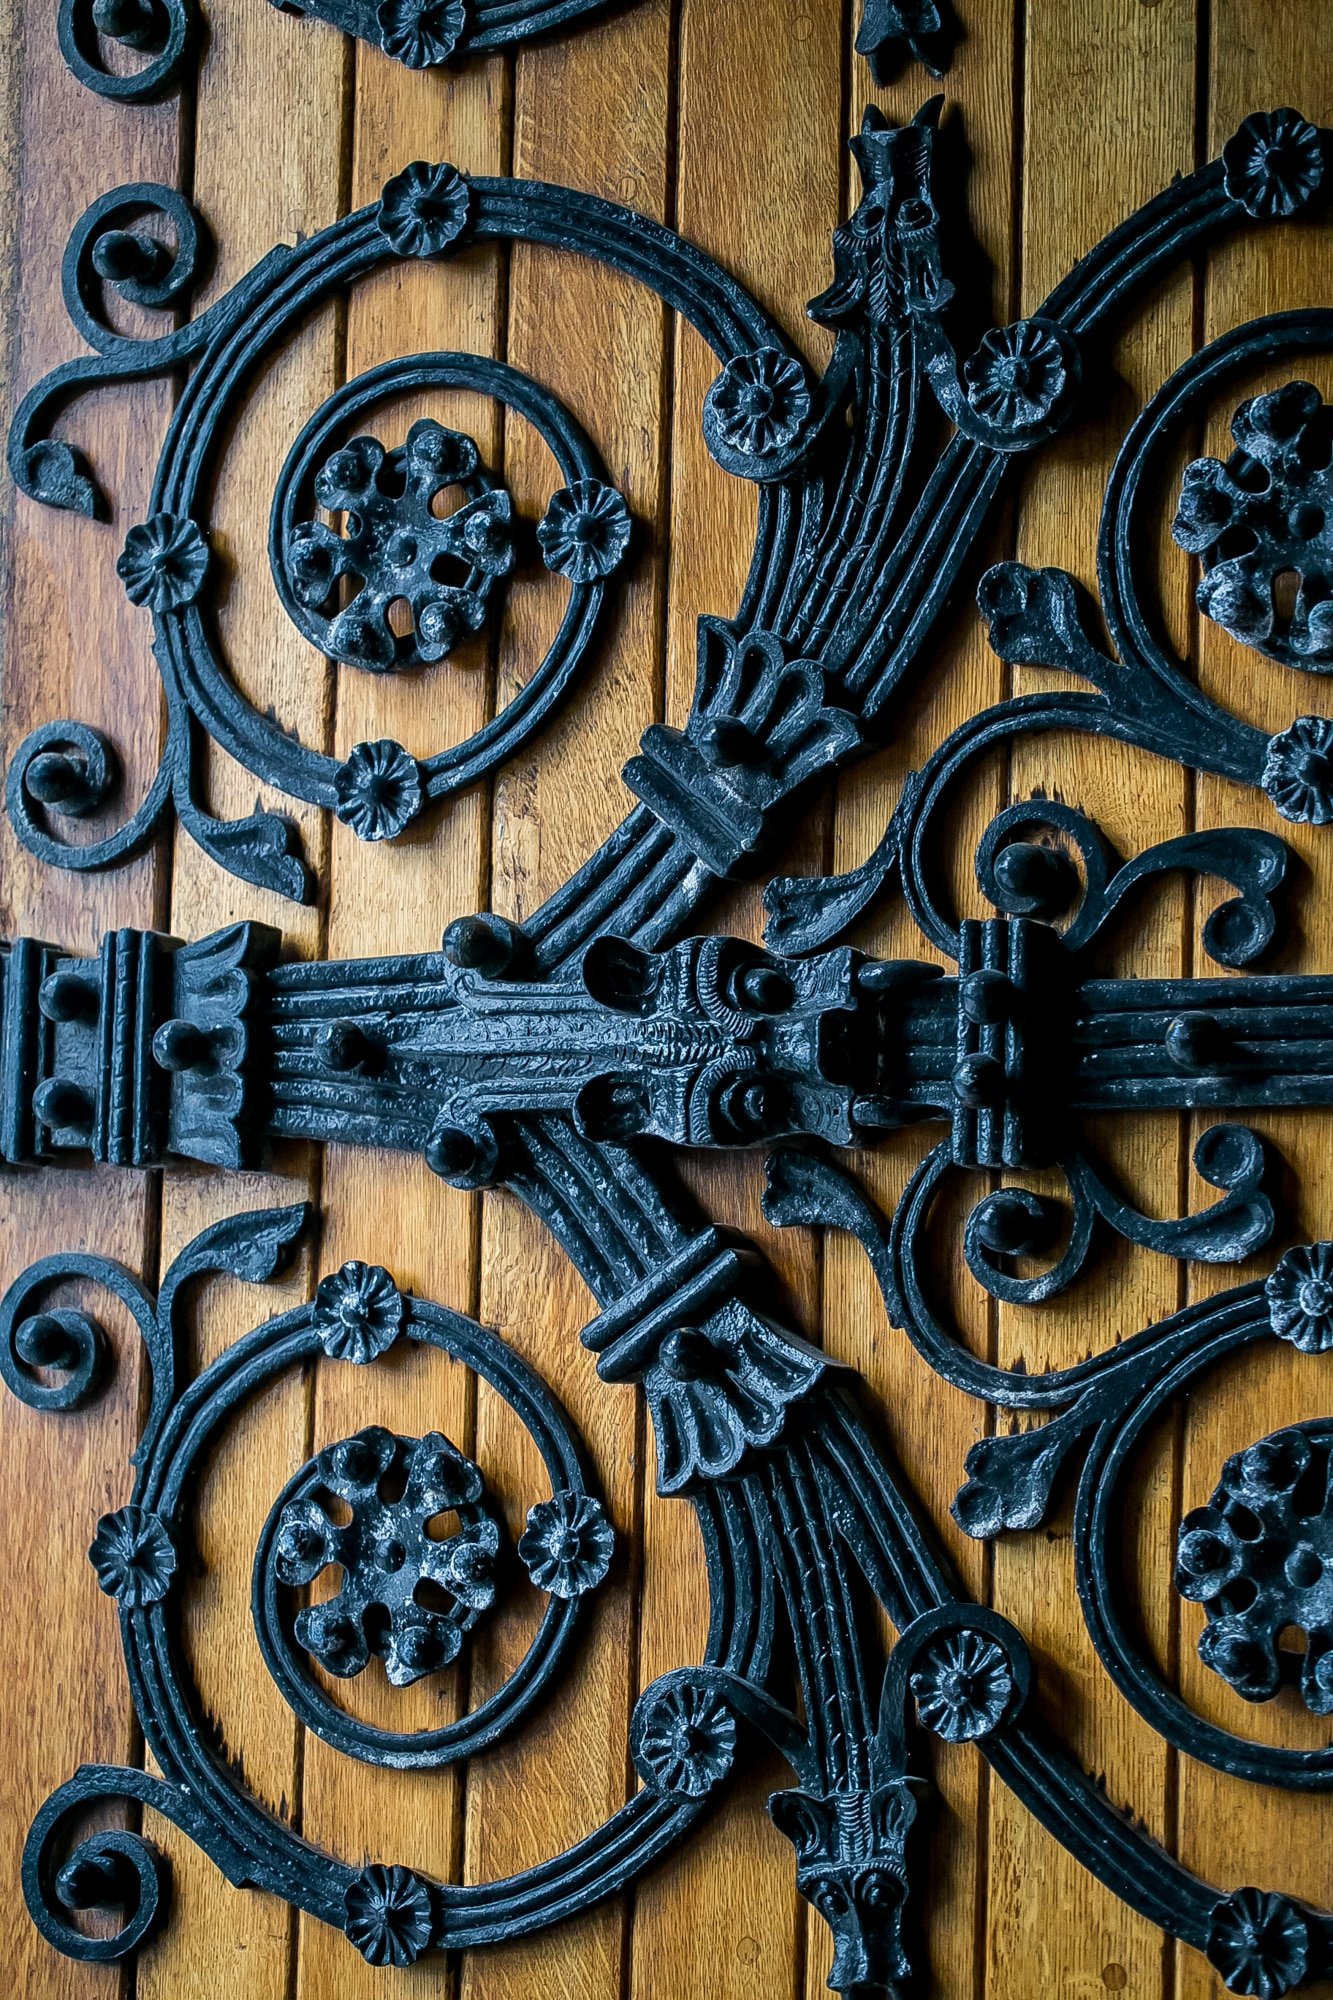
(162, 37)
(542, 1057)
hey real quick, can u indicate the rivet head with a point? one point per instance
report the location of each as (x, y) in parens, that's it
(756, 1106)
(1034, 880)
(766, 988)
(68, 996)
(450, 1152)
(725, 742)
(59, 780)
(44, 1341)
(180, 1045)
(978, 1081)
(985, 996)
(342, 1046)
(484, 943)
(127, 256)
(63, 1105)
(93, 1882)
(1195, 1042)
(685, 1354)
(1011, 1223)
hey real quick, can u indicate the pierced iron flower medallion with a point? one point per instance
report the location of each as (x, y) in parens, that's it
(1259, 1557)
(1263, 514)
(408, 1598)
(399, 550)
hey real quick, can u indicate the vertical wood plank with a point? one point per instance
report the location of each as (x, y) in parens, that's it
(929, 1427)
(70, 646)
(590, 112)
(759, 187)
(260, 179)
(1109, 119)
(1234, 1833)
(382, 1207)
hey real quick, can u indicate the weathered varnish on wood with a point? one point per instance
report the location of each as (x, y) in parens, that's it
(726, 118)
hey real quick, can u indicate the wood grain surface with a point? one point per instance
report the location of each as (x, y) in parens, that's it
(727, 119)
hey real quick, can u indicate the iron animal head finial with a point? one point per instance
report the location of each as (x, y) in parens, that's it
(886, 259)
(851, 1863)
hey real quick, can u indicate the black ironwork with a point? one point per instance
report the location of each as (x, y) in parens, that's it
(395, 549)
(421, 34)
(155, 1049)
(1256, 1584)
(862, 536)
(806, 1514)
(406, 1597)
(167, 566)
(921, 29)
(543, 1055)
(166, 32)
(1263, 514)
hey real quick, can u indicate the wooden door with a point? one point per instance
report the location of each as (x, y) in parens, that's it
(727, 119)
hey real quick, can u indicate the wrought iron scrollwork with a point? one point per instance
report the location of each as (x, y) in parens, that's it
(394, 1572)
(548, 1083)
(420, 34)
(813, 1511)
(164, 32)
(167, 566)
(542, 1056)
(861, 536)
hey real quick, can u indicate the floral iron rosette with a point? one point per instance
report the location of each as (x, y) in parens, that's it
(1259, 1558)
(134, 1556)
(406, 1597)
(401, 549)
(389, 1917)
(1264, 515)
(567, 1544)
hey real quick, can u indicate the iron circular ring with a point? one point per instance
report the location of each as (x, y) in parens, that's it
(1224, 1328)
(429, 1749)
(78, 37)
